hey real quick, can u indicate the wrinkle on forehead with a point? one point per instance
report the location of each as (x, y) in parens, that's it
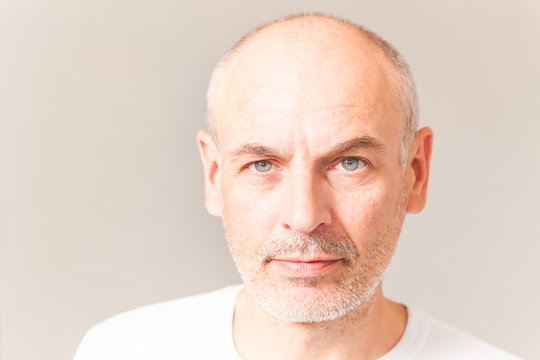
(314, 132)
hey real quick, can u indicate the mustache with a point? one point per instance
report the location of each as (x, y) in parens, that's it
(282, 245)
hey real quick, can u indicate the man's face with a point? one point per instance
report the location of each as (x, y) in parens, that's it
(313, 195)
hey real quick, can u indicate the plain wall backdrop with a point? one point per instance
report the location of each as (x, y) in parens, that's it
(101, 193)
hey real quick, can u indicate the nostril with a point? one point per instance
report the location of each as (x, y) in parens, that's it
(286, 226)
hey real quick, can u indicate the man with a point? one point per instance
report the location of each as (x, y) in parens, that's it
(312, 160)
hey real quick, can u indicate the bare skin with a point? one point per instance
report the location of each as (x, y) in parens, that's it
(358, 332)
(289, 99)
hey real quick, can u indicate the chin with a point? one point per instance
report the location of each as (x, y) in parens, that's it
(310, 300)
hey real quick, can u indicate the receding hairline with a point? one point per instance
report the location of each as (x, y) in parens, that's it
(400, 72)
(296, 21)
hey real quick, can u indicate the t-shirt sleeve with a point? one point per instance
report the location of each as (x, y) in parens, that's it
(96, 345)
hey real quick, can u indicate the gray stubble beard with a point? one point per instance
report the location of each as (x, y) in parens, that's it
(355, 287)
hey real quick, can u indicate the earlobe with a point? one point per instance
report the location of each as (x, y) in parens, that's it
(211, 165)
(418, 170)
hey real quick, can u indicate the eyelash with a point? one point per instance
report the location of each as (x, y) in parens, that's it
(340, 160)
(335, 163)
(254, 163)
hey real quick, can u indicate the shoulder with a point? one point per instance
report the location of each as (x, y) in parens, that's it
(444, 342)
(161, 331)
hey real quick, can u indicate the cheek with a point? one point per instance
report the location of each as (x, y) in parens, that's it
(370, 210)
(248, 216)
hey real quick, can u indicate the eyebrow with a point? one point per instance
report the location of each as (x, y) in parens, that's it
(254, 149)
(362, 142)
(259, 150)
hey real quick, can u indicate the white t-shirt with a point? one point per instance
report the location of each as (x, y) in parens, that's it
(200, 327)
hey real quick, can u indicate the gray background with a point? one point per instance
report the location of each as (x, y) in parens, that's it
(101, 187)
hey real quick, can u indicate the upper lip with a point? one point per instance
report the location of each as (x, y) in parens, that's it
(308, 259)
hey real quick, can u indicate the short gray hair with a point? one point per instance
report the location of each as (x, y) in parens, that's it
(408, 99)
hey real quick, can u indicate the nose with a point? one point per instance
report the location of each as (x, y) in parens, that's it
(305, 203)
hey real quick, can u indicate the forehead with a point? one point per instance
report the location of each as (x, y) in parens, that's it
(283, 89)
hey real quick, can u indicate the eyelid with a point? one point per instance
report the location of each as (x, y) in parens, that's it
(359, 158)
(250, 165)
(275, 164)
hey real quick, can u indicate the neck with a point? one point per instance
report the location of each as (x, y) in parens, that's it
(367, 332)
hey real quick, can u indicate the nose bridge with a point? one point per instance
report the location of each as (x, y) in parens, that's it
(305, 203)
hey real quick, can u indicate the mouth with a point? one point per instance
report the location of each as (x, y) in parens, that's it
(305, 268)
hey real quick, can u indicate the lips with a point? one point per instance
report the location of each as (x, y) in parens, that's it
(304, 268)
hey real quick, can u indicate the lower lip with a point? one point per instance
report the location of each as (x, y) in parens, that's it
(299, 269)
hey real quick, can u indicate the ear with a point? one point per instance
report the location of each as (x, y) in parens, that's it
(418, 170)
(212, 182)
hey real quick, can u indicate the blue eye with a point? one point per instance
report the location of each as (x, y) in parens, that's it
(350, 164)
(261, 166)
